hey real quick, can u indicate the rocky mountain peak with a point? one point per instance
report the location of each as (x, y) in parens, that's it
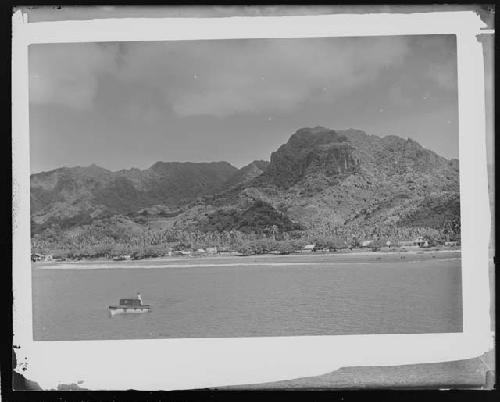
(310, 151)
(311, 137)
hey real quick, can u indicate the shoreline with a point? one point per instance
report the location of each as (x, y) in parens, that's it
(290, 260)
(295, 254)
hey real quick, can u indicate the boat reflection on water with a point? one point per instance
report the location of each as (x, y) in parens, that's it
(130, 306)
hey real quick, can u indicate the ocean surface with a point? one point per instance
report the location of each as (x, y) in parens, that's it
(250, 296)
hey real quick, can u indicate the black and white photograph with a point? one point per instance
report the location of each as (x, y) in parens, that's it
(245, 188)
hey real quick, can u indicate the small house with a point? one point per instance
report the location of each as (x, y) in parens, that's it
(451, 243)
(366, 243)
(420, 241)
(41, 257)
(211, 250)
(36, 257)
(310, 247)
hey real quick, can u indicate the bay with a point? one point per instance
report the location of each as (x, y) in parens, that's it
(291, 296)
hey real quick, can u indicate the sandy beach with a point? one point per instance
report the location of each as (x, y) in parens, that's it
(309, 259)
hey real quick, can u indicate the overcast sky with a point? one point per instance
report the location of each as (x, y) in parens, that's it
(130, 104)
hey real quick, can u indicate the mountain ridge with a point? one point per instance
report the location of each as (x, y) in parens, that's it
(105, 192)
(321, 181)
(335, 185)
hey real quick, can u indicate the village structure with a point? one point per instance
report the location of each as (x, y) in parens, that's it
(418, 243)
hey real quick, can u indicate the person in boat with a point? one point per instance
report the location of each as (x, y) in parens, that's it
(139, 297)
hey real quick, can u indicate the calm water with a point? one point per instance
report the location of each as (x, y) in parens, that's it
(352, 297)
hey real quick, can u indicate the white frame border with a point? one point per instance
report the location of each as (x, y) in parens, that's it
(169, 364)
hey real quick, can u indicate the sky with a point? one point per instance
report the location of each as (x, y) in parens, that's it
(131, 104)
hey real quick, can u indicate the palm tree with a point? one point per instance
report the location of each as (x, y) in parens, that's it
(274, 230)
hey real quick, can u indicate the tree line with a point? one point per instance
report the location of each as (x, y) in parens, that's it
(102, 239)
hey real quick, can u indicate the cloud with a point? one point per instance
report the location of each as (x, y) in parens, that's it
(217, 78)
(68, 74)
(446, 78)
(438, 55)
(221, 78)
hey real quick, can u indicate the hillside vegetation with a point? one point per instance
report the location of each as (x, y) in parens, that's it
(332, 187)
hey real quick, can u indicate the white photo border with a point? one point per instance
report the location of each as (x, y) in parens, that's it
(174, 364)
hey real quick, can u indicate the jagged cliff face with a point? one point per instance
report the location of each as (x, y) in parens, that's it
(347, 177)
(310, 152)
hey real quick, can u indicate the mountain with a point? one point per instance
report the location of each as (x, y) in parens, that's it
(246, 174)
(77, 195)
(309, 152)
(349, 180)
(320, 183)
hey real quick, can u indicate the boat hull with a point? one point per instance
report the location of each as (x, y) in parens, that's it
(115, 310)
